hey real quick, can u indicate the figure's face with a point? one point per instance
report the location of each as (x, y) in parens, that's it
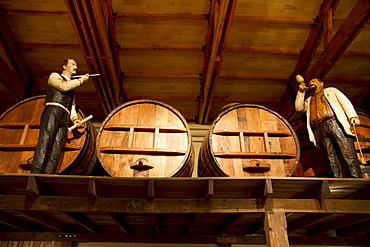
(316, 85)
(71, 66)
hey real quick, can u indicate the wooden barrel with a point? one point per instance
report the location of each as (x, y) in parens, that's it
(312, 162)
(145, 138)
(248, 140)
(19, 131)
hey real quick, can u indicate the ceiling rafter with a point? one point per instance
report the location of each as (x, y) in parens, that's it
(14, 73)
(93, 23)
(354, 23)
(307, 54)
(222, 12)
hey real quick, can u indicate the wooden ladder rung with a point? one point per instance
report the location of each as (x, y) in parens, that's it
(262, 155)
(151, 151)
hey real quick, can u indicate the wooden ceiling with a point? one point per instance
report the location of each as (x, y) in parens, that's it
(195, 55)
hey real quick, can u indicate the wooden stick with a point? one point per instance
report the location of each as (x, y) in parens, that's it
(80, 123)
(78, 76)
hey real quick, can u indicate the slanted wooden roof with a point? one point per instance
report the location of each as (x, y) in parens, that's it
(193, 55)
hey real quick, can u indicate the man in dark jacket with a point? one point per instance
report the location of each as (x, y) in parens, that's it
(59, 108)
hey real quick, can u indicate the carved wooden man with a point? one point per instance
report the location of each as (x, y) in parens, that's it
(330, 115)
(59, 108)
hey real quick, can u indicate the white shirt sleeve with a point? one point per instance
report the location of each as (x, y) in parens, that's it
(57, 81)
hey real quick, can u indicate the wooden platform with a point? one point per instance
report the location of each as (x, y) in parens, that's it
(185, 210)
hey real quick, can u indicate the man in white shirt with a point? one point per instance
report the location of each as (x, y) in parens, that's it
(59, 108)
(330, 115)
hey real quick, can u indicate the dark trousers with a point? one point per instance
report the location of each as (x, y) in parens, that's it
(52, 137)
(336, 146)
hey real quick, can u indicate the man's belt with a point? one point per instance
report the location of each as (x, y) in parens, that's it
(60, 105)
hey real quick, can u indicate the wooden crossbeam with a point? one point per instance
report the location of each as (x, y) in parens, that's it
(307, 53)
(94, 26)
(345, 35)
(82, 220)
(118, 219)
(16, 223)
(347, 32)
(221, 16)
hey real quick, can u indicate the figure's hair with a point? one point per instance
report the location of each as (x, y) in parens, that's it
(65, 62)
(319, 80)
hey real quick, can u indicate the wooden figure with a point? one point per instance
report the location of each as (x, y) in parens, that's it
(59, 107)
(330, 115)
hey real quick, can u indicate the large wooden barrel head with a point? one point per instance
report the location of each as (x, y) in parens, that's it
(145, 138)
(19, 131)
(247, 140)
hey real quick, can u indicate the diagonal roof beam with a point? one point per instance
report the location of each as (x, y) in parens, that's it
(221, 16)
(307, 54)
(343, 38)
(347, 32)
(94, 26)
(14, 73)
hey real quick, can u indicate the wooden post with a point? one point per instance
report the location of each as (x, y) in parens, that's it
(276, 229)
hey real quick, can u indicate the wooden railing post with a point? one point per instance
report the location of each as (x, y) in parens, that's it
(276, 229)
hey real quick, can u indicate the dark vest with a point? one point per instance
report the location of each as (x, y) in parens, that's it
(64, 98)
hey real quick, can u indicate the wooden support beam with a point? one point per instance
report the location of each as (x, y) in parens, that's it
(92, 189)
(151, 189)
(276, 229)
(354, 229)
(43, 219)
(118, 219)
(310, 220)
(286, 107)
(168, 238)
(94, 26)
(264, 190)
(339, 222)
(33, 186)
(230, 222)
(16, 223)
(156, 223)
(354, 23)
(210, 189)
(222, 12)
(82, 220)
(320, 191)
(194, 222)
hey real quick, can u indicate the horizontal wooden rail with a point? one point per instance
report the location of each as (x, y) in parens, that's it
(255, 155)
(251, 132)
(151, 151)
(174, 129)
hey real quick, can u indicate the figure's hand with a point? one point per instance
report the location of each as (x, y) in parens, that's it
(355, 121)
(302, 87)
(76, 121)
(85, 77)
